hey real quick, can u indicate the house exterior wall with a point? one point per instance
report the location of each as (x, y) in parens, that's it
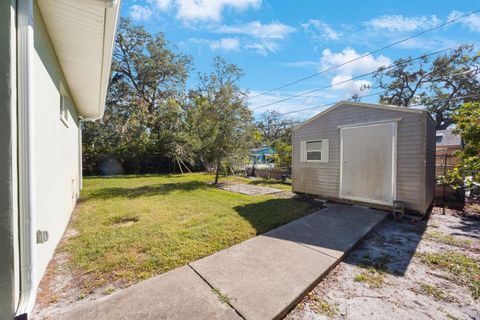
(9, 276)
(323, 178)
(57, 146)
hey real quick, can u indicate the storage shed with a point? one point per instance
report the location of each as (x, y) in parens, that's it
(367, 153)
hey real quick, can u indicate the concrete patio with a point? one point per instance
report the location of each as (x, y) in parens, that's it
(261, 278)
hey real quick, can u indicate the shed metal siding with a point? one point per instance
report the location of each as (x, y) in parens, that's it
(323, 178)
(430, 161)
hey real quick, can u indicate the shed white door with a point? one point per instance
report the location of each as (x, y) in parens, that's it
(367, 170)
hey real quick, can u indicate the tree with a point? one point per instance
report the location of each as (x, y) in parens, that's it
(219, 116)
(467, 124)
(437, 85)
(274, 128)
(145, 100)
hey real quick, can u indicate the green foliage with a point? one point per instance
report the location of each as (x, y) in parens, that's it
(435, 83)
(220, 118)
(275, 131)
(467, 124)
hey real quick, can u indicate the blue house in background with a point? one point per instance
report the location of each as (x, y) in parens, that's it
(261, 155)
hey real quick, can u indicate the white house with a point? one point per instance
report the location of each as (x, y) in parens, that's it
(55, 58)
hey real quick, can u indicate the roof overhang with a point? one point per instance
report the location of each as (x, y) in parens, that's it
(83, 36)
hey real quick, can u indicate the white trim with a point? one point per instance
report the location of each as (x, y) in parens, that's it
(26, 154)
(360, 124)
(324, 151)
(361, 104)
(394, 164)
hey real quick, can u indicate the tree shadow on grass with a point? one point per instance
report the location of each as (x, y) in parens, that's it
(273, 213)
(143, 191)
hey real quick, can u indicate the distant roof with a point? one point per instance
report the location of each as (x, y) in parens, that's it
(263, 150)
(447, 138)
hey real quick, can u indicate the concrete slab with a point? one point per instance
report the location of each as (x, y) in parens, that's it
(251, 190)
(178, 294)
(265, 276)
(332, 231)
(262, 278)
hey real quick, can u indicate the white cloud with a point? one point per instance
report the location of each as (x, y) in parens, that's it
(162, 5)
(138, 12)
(274, 30)
(226, 44)
(366, 64)
(263, 48)
(265, 37)
(210, 9)
(363, 65)
(400, 23)
(472, 21)
(319, 30)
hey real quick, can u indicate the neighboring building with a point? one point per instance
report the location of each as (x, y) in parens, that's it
(367, 153)
(446, 142)
(262, 155)
(55, 58)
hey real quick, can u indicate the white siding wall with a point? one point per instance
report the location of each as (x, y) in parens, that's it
(323, 178)
(57, 150)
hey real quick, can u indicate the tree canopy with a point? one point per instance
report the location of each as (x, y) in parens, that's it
(437, 84)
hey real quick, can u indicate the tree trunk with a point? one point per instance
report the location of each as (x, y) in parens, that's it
(217, 169)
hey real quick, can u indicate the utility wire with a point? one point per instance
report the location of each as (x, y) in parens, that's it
(368, 53)
(368, 95)
(354, 78)
(358, 97)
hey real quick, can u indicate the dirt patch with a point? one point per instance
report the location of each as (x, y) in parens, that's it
(404, 270)
(251, 190)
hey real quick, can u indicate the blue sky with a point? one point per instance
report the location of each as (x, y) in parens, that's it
(276, 42)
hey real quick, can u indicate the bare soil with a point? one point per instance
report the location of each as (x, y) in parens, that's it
(388, 276)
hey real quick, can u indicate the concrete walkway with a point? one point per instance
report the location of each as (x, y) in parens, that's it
(261, 278)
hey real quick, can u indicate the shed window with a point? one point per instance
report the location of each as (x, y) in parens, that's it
(315, 151)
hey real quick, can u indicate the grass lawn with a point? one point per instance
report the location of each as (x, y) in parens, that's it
(134, 227)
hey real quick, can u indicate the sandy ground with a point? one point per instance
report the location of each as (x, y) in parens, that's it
(386, 278)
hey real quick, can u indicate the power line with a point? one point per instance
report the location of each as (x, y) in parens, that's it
(376, 93)
(354, 78)
(428, 74)
(368, 53)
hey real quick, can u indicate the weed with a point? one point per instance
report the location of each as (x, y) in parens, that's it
(433, 291)
(221, 296)
(321, 306)
(447, 239)
(371, 276)
(81, 296)
(462, 268)
(108, 291)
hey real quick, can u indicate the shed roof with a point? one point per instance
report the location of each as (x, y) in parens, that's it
(362, 104)
(447, 138)
(83, 34)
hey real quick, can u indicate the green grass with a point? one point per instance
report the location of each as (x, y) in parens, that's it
(371, 276)
(433, 291)
(462, 268)
(134, 227)
(321, 306)
(447, 239)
